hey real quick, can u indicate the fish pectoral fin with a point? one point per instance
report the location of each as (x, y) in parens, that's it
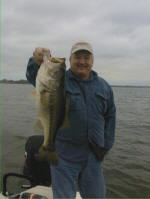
(33, 94)
(38, 125)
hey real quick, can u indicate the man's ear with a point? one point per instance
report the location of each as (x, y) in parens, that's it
(93, 58)
(70, 57)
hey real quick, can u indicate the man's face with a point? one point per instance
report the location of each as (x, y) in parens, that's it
(81, 63)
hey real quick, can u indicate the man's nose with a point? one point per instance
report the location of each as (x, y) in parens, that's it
(82, 61)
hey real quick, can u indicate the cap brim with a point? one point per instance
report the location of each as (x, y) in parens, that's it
(78, 48)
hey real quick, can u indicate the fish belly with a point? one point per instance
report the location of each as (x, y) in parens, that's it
(51, 114)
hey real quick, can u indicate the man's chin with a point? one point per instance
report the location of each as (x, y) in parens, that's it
(82, 75)
(82, 71)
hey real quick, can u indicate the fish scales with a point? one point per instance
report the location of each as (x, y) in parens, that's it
(50, 102)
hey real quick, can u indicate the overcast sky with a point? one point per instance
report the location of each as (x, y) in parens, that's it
(119, 31)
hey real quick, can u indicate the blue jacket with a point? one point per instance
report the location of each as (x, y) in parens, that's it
(92, 110)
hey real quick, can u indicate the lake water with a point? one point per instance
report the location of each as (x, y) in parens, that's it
(126, 168)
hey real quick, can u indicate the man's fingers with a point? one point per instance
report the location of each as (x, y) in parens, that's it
(46, 49)
(38, 54)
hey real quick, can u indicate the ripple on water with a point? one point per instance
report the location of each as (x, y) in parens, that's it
(121, 183)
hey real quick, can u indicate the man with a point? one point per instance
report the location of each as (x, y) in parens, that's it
(81, 147)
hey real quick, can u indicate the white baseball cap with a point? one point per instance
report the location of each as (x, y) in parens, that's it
(81, 46)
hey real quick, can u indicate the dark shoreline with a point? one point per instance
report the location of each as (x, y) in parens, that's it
(26, 82)
(130, 86)
(22, 81)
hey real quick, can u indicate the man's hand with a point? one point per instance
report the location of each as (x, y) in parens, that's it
(38, 55)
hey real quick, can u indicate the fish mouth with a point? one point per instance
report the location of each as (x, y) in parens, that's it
(60, 61)
(57, 60)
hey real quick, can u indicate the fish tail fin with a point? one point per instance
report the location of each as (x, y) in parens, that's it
(48, 156)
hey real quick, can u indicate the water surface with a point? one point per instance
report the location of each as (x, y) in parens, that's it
(126, 168)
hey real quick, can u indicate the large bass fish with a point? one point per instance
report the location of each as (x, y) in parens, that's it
(50, 102)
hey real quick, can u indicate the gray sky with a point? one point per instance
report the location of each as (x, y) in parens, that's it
(119, 31)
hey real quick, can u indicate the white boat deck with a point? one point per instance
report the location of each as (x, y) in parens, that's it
(45, 191)
(40, 190)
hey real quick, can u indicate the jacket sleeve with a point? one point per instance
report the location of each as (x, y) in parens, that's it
(31, 72)
(110, 122)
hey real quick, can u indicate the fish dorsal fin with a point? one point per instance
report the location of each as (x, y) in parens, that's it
(66, 123)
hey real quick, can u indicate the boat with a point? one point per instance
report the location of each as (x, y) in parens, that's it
(36, 192)
(36, 176)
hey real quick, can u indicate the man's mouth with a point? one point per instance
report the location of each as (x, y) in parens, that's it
(81, 66)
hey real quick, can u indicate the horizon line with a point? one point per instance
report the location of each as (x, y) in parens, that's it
(113, 85)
